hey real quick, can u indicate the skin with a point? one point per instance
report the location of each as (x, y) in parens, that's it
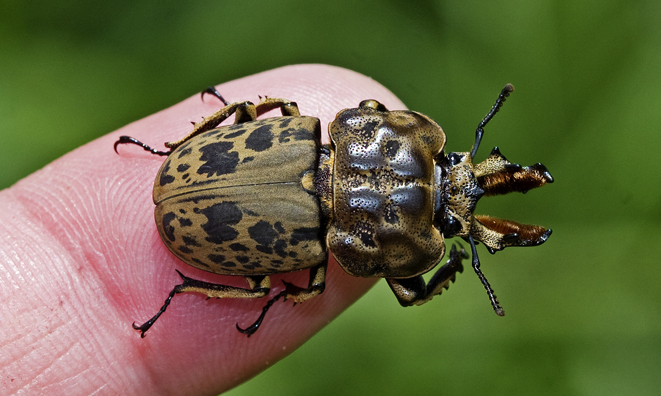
(81, 259)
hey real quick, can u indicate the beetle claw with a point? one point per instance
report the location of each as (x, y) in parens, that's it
(141, 329)
(212, 91)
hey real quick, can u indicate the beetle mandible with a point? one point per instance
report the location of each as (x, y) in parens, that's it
(261, 197)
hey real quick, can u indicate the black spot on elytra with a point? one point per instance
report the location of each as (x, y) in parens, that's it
(185, 222)
(302, 134)
(242, 259)
(182, 211)
(182, 168)
(392, 147)
(217, 258)
(264, 249)
(215, 133)
(200, 262)
(279, 248)
(263, 233)
(285, 123)
(235, 134)
(218, 159)
(196, 199)
(276, 263)
(293, 254)
(278, 227)
(220, 219)
(296, 134)
(184, 152)
(260, 139)
(250, 212)
(247, 159)
(165, 178)
(284, 137)
(190, 241)
(303, 234)
(168, 228)
(237, 247)
(184, 249)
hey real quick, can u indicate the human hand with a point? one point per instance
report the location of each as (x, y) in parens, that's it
(81, 260)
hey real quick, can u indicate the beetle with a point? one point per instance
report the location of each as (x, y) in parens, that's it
(261, 197)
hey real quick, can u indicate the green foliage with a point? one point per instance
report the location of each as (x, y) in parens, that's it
(583, 311)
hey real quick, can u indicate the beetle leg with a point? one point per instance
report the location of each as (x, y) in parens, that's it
(130, 140)
(259, 287)
(245, 111)
(414, 291)
(316, 286)
(476, 266)
(287, 107)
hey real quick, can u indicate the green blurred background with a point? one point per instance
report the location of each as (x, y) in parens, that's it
(583, 311)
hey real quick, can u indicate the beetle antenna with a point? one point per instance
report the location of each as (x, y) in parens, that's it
(128, 139)
(494, 109)
(213, 91)
(476, 266)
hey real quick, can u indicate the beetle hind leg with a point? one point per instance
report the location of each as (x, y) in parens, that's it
(414, 291)
(259, 287)
(316, 286)
(243, 112)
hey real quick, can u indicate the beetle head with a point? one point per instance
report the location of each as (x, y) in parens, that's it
(462, 184)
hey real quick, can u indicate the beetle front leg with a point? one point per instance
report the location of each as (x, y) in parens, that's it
(259, 287)
(316, 286)
(414, 291)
